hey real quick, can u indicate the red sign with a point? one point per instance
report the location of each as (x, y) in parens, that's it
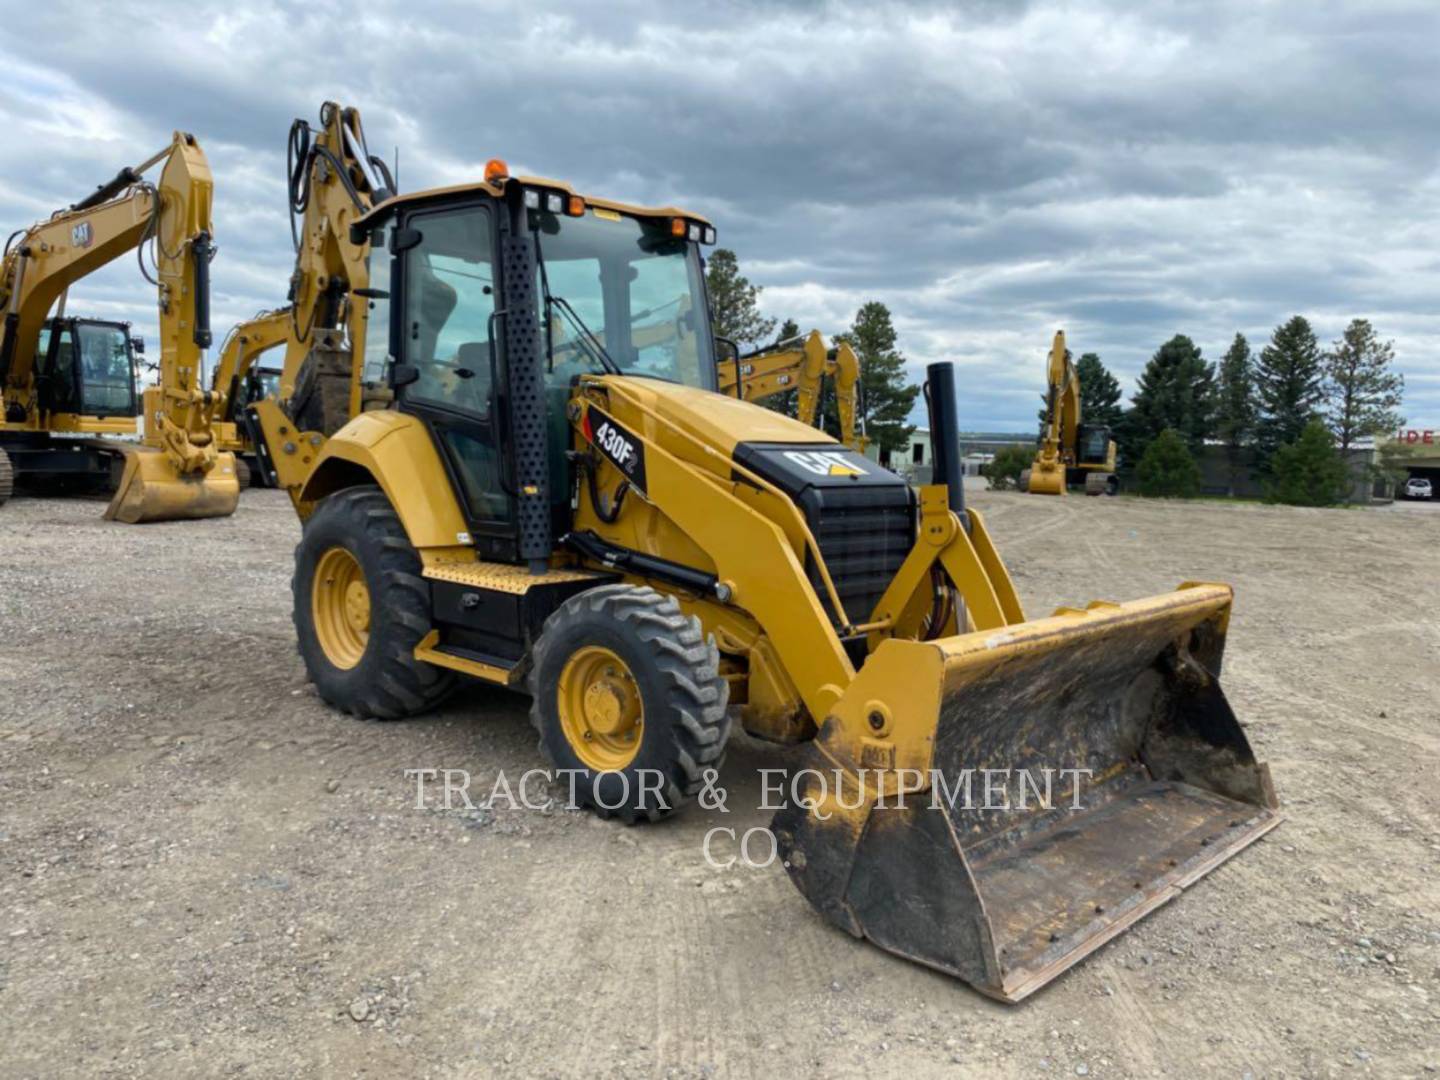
(1414, 437)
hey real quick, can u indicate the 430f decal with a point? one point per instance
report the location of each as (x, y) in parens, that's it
(619, 446)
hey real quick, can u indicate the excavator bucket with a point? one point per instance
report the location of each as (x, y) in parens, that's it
(152, 489)
(1084, 769)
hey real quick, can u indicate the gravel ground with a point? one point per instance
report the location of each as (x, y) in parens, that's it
(205, 871)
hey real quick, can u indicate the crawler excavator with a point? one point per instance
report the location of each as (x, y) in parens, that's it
(1071, 453)
(176, 471)
(801, 364)
(553, 498)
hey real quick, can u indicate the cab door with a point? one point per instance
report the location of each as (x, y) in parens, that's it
(448, 369)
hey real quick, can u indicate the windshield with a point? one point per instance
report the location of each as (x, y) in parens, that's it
(634, 287)
(103, 381)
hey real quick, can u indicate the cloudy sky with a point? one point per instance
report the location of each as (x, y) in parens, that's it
(992, 171)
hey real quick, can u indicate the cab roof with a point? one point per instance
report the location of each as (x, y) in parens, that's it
(496, 189)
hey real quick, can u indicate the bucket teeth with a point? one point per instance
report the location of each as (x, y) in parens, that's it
(1083, 770)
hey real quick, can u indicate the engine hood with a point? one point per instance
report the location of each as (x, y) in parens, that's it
(720, 421)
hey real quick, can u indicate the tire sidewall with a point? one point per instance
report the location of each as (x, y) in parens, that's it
(325, 530)
(609, 791)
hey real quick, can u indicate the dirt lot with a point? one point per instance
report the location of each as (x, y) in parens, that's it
(205, 871)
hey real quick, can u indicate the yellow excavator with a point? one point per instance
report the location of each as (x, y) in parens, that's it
(238, 381)
(801, 364)
(1071, 453)
(49, 406)
(555, 498)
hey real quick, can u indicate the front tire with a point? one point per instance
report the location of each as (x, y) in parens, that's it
(7, 478)
(627, 692)
(361, 607)
(1024, 481)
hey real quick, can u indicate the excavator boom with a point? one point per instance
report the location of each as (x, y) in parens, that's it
(176, 472)
(801, 364)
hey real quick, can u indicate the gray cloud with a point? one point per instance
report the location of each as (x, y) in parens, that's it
(992, 172)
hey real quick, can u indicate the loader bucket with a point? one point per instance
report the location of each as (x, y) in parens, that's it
(152, 489)
(1152, 784)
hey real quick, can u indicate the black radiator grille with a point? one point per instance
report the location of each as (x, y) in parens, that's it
(864, 536)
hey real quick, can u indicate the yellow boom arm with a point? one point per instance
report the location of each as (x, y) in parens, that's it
(802, 365)
(54, 254)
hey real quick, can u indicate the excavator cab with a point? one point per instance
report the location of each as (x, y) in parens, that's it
(87, 367)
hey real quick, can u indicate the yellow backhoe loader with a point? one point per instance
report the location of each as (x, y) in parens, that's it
(801, 364)
(557, 499)
(176, 470)
(1071, 453)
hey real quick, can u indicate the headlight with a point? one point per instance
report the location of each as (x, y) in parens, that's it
(532, 199)
(709, 234)
(695, 232)
(554, 203)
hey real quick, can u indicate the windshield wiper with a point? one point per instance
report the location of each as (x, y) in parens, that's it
(585, 336)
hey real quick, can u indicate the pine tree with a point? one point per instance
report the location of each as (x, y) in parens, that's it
(1289, 385)
(1235, 411)
(1099, 392)
(788, 329)
(885, 396)
(1177, 390)
(1309, 472)
(1364, 393)
(734, 302)
(1167, 469)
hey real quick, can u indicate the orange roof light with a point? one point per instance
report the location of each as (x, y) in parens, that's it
(677, 226)
(496, 169)
(575, 206)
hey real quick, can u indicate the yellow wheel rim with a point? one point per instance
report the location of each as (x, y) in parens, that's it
(340, 607)
(601, 713)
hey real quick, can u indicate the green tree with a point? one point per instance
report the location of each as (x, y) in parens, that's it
(1003, 471)
(1099, 392)
(885, 396)
(1167, 469)
(1308, 472)
(1364, 392)
(1235, 411)
(1289, 385)
(788, 329)
(1177, 390)
(735, 302)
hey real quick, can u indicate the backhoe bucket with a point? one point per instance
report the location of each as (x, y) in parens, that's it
(152, 489)
(1084, 769)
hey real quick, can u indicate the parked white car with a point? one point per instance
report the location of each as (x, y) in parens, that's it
(1417, 487)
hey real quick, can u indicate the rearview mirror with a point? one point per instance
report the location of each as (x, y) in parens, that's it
(137, 345)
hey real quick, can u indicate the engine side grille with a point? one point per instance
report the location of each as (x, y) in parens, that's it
(864, 536)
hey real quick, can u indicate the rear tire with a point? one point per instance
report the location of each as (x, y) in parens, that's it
(1024, 482)
(644, 758)
(7, 478)
(243, 475)
(361, 607)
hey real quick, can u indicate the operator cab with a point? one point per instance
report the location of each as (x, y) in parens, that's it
(87, 367)
(1093, 444)
(484, 285)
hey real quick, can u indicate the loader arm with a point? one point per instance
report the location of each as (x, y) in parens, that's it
(243, 345)
(51, 256)
(802, 365)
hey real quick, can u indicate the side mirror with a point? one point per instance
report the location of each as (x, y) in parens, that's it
(403, 375)
(137, 345)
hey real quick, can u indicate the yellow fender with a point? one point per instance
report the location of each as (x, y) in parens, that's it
(395, 451)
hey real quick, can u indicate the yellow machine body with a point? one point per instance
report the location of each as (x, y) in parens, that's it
(874, 624)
